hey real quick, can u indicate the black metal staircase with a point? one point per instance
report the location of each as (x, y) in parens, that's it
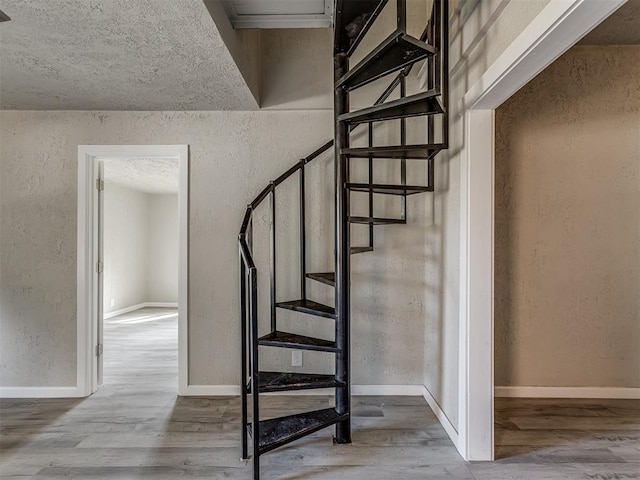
(397, 54)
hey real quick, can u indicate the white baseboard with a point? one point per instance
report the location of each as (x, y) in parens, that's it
(40, 392)
(568, 392)
(357, 390)
(441, 416)
(122, 311)
(387, 390)
(133, 308)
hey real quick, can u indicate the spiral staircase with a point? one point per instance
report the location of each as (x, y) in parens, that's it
(397, 54)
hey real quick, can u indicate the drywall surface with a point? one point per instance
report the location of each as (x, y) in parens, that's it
(37, 260)
(126, 246)
(242, 44)
(297, 68)
(567, 228)
(297, 64)
(233, 155)
(163, 226)
(489, 28)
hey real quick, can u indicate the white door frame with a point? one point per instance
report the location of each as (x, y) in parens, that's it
(557, 28)
(87, 308)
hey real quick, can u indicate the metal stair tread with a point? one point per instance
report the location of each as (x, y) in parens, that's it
(295, 341)
(422, 151)
(425, 103)
(352, 22)
(328, 278)
(389, 189)
(356, 250)
(310, 307)
(397, 51)
(276, 432)
(285, 381)
(376, 220)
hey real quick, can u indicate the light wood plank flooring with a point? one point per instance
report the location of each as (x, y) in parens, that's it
(135, 427)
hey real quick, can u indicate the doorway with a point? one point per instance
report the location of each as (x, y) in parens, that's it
(567, 251)
(132, 271)
(558, 27)
(139, 235)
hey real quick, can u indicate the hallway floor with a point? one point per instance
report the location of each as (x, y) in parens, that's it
(135, 427)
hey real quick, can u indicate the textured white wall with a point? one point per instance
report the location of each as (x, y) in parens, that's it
(163, 224)
(475, 47)
(126, 246)
(233, 156)
(567, 260)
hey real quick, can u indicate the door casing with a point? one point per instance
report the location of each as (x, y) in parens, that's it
(89, 248)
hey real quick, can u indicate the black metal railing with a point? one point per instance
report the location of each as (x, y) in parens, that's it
(249, 289)
(437, 78)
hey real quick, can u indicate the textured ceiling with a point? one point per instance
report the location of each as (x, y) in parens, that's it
(621, 28)
(116, 55)
(149, 175)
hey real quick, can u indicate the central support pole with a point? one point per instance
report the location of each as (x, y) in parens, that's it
(343, 337)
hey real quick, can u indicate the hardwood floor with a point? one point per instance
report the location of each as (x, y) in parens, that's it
(135, 427)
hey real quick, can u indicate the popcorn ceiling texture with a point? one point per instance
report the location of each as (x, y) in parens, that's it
(116, 55)
(567, 228)
(149, 175)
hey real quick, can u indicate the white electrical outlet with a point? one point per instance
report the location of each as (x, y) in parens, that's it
(296, 358)
(113, 302)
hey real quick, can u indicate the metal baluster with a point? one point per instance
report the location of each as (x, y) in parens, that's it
(431, 75)
(303, 247)
(401, 11)
(343, 398)
(444, 20)
(403, 142)
(273, 256)
(370, 188)
(255, 374)
(243, 363)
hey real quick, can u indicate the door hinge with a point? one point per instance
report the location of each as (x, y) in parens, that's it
(99, 267)
(100, 184)
(98, 350)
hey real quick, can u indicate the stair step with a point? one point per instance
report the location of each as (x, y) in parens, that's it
(284, 381)
(425, 151)
(425, 103)
(352, 21)
(277, 432)
(355, 250)
(376, 220)
(310, 307)
(295, 341)
(397, 51)
(388, 189)
(328, 278)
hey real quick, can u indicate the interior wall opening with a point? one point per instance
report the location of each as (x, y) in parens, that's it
(140, 261)
(567, 252)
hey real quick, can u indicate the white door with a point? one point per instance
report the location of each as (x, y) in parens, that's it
(100, 295)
